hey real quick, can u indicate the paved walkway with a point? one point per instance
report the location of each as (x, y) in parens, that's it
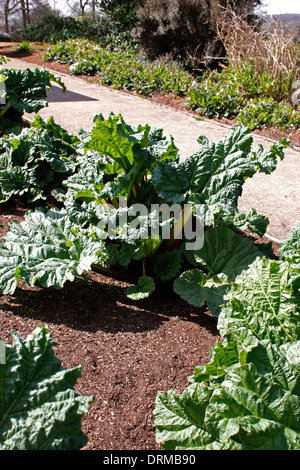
(277, 196)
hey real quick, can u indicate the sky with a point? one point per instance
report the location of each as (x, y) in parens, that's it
(271, 7)
(275, 7)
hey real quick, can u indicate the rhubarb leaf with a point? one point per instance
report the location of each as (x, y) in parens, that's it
(260, 304)
(223, 256)
(49, 249)
(290, 251)
(39, 409)
(213, 176)
(249, 405)
(143, 290)
(27, 89)
(168, 265)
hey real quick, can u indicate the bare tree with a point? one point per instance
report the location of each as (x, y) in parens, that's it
(81, 7)
(9, 8)
(22, 11)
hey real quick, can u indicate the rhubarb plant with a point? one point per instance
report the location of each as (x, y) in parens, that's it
(247, 397)
(36, 161)
(39, 408)
(129, 201)
(290, 251)
(25, 91)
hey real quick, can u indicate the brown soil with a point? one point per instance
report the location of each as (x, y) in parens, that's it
(128, 350)
(36, 57)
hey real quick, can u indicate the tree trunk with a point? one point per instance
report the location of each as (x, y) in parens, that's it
(27, 12)
(6, 15)
(24, 15)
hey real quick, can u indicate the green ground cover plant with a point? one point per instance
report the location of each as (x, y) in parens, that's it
(52, 29)
(248, 98)
(252, 99)
(120, 67)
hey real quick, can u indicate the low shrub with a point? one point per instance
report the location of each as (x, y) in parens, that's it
(258, 113)
(243, 94)
(121, 67)
(53, 28)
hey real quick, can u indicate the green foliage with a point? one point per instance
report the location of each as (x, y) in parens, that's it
(261, 304)
(123, 197)
(121, 13)
(223, 256)
(55, 28)
(39, 409)
(268, 113)
(36, 161)
(252, 404)
(26, 91)
(216, 94)
(242, 94)
(120, 67)
(247, 397)
(48, 249)
(24, 47)
(290, 251)
(253, 100)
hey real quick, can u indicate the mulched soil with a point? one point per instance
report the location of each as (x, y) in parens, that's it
(128, 350)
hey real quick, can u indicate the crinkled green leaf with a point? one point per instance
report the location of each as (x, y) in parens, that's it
(170, 182)
(39, 409)
(267, 160)
(222, 357)
(129, 252)
(46, 248)
(27, 89)
(116, 139)
(180, 419)
(223, 256)
(37, 160)
(290, 251)
(87, 183)
(213, 176)
(290, 248)
(224, 252)
(251, 406)
(194, 287)
(257, 223)
(168, 265)
(15, 181)
(261, 305)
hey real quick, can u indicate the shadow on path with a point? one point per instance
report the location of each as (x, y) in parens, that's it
(56, 94)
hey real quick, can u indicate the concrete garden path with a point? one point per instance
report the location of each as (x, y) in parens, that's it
(277, 195)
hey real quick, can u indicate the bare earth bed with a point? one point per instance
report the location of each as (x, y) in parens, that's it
(128, 351)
